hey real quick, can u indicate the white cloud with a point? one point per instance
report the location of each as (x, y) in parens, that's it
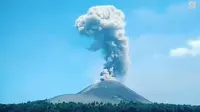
(154, 75)
(159, 78)
(192, 49)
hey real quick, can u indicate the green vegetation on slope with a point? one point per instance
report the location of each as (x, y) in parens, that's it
(44, 106)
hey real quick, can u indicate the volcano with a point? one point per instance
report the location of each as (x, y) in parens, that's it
(104, 91)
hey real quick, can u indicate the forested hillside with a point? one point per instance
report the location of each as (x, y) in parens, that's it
(44, 106)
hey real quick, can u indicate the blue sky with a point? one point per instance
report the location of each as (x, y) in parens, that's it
(42, 55)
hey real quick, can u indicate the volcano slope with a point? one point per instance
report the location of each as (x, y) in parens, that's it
(105, 91)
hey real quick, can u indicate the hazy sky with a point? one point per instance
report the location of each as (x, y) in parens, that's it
(42, 55)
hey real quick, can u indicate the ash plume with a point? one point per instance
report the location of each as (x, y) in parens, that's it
(106, 26)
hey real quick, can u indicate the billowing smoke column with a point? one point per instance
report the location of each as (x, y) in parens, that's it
(106, 25)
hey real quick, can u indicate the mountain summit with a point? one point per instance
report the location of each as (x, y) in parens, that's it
(104, 91)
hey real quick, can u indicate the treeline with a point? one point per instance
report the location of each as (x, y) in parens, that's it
(44, 106)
